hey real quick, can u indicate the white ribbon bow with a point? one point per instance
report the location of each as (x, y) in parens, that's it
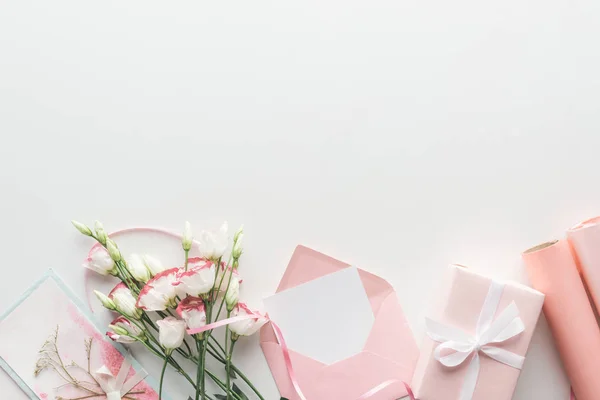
(116, 388)
(488, 332)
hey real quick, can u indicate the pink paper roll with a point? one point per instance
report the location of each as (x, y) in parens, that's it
(553, 271)
(585, 241)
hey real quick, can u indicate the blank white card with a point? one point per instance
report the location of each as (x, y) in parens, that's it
(327, 319)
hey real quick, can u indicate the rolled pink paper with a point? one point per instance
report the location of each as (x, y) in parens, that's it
(585, 241)
(552, 270)
(462, 300)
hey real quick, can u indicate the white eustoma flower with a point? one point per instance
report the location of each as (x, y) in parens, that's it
(249, 326)
(212, 245)
(124, 301)
(199, 277)
(192, 311)
(159, 293)
(137, 268)
(153, 264)
(123, 331)
(171, 332)
(101, 262)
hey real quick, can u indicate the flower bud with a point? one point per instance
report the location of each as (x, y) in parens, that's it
(239, 232)
(232, 296)
(100, 234)
(117, 329)
(82, 228)
(237, 250)
(123, 331)
(186, 241)
(106, 302)
(113, 250)
(137, 268)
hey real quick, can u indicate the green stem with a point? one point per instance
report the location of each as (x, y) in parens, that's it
(228, 365)
(228, 284)
(185, 265)
(198, 370)
(202, 354)
(223, 361)
(203, 382)
(222, 385)
(162, 377)
(218, 344)
(245, 379)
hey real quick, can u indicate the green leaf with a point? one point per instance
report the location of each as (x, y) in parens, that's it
(239, 392)
(283, 398)
(220, 397)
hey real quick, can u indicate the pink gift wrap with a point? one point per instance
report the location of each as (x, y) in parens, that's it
(552, 268)
(584, 239)
(462, 297)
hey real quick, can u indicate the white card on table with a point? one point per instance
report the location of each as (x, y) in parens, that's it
(327, 319)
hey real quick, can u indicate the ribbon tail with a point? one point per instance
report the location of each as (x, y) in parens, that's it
(384, 385)
(470, 382)
(133, 382)
(122, 375)
(504, 356)
(288, 360)
(115, 395)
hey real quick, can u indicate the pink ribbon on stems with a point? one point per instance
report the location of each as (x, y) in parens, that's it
(278, 335)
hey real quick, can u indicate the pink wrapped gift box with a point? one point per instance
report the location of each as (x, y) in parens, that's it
(464, 296)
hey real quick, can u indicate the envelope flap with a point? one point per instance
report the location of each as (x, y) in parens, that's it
(307, 264)
(377, 289)
(391, 335)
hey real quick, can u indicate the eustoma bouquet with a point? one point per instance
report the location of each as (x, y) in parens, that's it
(172, 311)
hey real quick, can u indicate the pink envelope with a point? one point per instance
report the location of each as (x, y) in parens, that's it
(390, 351)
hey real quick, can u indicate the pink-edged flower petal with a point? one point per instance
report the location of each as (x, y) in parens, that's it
(247, 327)
(159, 293)
(193, 312)
(199, 277)
(100, 261)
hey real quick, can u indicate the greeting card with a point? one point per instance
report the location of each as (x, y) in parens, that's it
(50, 346)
